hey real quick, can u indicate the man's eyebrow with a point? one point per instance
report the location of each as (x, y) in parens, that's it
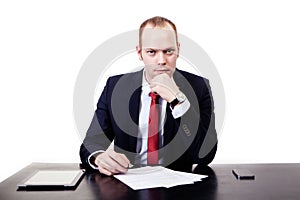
(170, 48)
(150, 49)
(165, 49)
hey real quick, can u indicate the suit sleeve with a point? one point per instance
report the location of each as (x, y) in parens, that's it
(196, 128)
(99, 134)
(204, 147)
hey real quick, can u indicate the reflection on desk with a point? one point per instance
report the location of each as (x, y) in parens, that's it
(111, 188)
(272, 181)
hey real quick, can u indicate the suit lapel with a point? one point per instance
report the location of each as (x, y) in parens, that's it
(134, 105)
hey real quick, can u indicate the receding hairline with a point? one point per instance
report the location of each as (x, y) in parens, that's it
(157, 22)
(161, 26)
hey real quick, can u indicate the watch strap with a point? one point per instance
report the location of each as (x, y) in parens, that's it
(174, 103)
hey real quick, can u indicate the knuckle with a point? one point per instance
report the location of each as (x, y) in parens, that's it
(122, 154)
(119, 156)
(114, 166)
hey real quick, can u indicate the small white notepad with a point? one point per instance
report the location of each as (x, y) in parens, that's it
(53, 178)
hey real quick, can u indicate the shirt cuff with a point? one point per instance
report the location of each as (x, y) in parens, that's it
(94, 155)
(180, 109)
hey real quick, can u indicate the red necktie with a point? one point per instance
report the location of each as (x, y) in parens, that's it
(153, 130)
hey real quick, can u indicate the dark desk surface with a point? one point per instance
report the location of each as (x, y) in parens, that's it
(272, 181)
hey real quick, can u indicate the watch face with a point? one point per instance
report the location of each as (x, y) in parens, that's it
(180, 96)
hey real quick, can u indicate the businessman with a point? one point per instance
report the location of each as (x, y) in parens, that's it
(156, 116)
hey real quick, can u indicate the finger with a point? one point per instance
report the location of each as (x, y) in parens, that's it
(155, 88)
(115, 167)
(104, 171)
(160, 84)
(102, 167)
(105, 162)
(121, 159)
(152, 85)
(109, 165)
(125, 159)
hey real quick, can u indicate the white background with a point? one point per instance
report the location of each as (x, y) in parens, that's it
(255, 46)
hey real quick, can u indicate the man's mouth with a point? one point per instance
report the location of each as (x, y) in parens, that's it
(162, 70)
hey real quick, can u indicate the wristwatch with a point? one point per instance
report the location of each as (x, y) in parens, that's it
(180, 97)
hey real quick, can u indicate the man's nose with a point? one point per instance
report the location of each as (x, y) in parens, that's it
(161, 59)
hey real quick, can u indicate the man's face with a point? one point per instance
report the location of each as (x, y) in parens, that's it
(159, 51)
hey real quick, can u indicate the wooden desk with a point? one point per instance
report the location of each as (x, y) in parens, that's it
(272, 181)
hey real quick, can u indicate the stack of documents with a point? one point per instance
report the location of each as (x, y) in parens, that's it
(158, 176)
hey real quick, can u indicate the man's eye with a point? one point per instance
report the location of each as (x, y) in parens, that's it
(150, 52)
(169, 51)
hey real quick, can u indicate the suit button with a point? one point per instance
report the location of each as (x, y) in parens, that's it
(186, 130)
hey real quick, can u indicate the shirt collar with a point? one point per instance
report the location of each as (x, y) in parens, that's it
(145, 85)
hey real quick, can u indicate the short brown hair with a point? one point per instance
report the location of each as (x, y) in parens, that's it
(156, 21)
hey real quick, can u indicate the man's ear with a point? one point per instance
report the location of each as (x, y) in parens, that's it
(178, 47)
(139, 52)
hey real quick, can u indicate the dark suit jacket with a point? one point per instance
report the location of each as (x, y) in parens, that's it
(190, 139)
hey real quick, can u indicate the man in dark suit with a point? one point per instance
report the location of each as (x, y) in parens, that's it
(157, 116)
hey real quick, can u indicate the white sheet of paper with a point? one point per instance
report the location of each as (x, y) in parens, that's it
(152, 177)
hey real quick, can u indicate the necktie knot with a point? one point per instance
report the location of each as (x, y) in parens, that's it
(154, 97)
